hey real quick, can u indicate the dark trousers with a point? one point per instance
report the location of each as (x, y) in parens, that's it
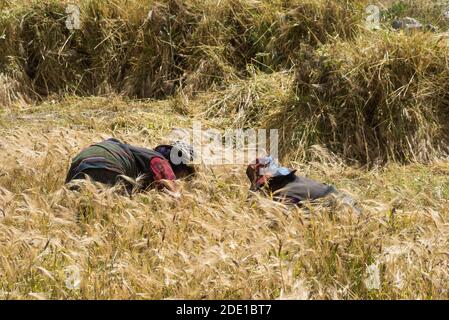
(105, 176)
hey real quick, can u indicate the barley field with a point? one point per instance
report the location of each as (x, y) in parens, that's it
(364, 110)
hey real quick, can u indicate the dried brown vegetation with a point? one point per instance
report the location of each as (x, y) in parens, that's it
(341, 95)
(212, 243)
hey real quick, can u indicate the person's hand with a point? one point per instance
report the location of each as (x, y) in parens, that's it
(170, 187)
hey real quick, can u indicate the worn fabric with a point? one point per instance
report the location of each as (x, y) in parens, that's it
(109, 159)
(296, 189)
(284, 185)
(104, 176)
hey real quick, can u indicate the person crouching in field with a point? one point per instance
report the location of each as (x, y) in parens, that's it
(285, 186)
(112, 162)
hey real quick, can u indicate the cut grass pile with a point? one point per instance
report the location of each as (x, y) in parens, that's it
(212, 243)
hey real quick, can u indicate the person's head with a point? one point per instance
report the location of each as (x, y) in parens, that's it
(180, 156)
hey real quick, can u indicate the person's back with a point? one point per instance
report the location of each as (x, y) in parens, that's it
(283, 183)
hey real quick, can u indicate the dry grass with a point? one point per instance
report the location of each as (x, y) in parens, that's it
(212, 243)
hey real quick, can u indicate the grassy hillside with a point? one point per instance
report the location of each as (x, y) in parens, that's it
(364, 110)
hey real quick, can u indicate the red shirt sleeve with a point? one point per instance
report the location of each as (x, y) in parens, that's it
(161, 169)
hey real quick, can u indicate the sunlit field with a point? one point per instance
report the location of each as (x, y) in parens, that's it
(366, 111)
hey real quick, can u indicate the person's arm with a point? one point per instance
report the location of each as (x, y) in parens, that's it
(164, 177)
(257, 179)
